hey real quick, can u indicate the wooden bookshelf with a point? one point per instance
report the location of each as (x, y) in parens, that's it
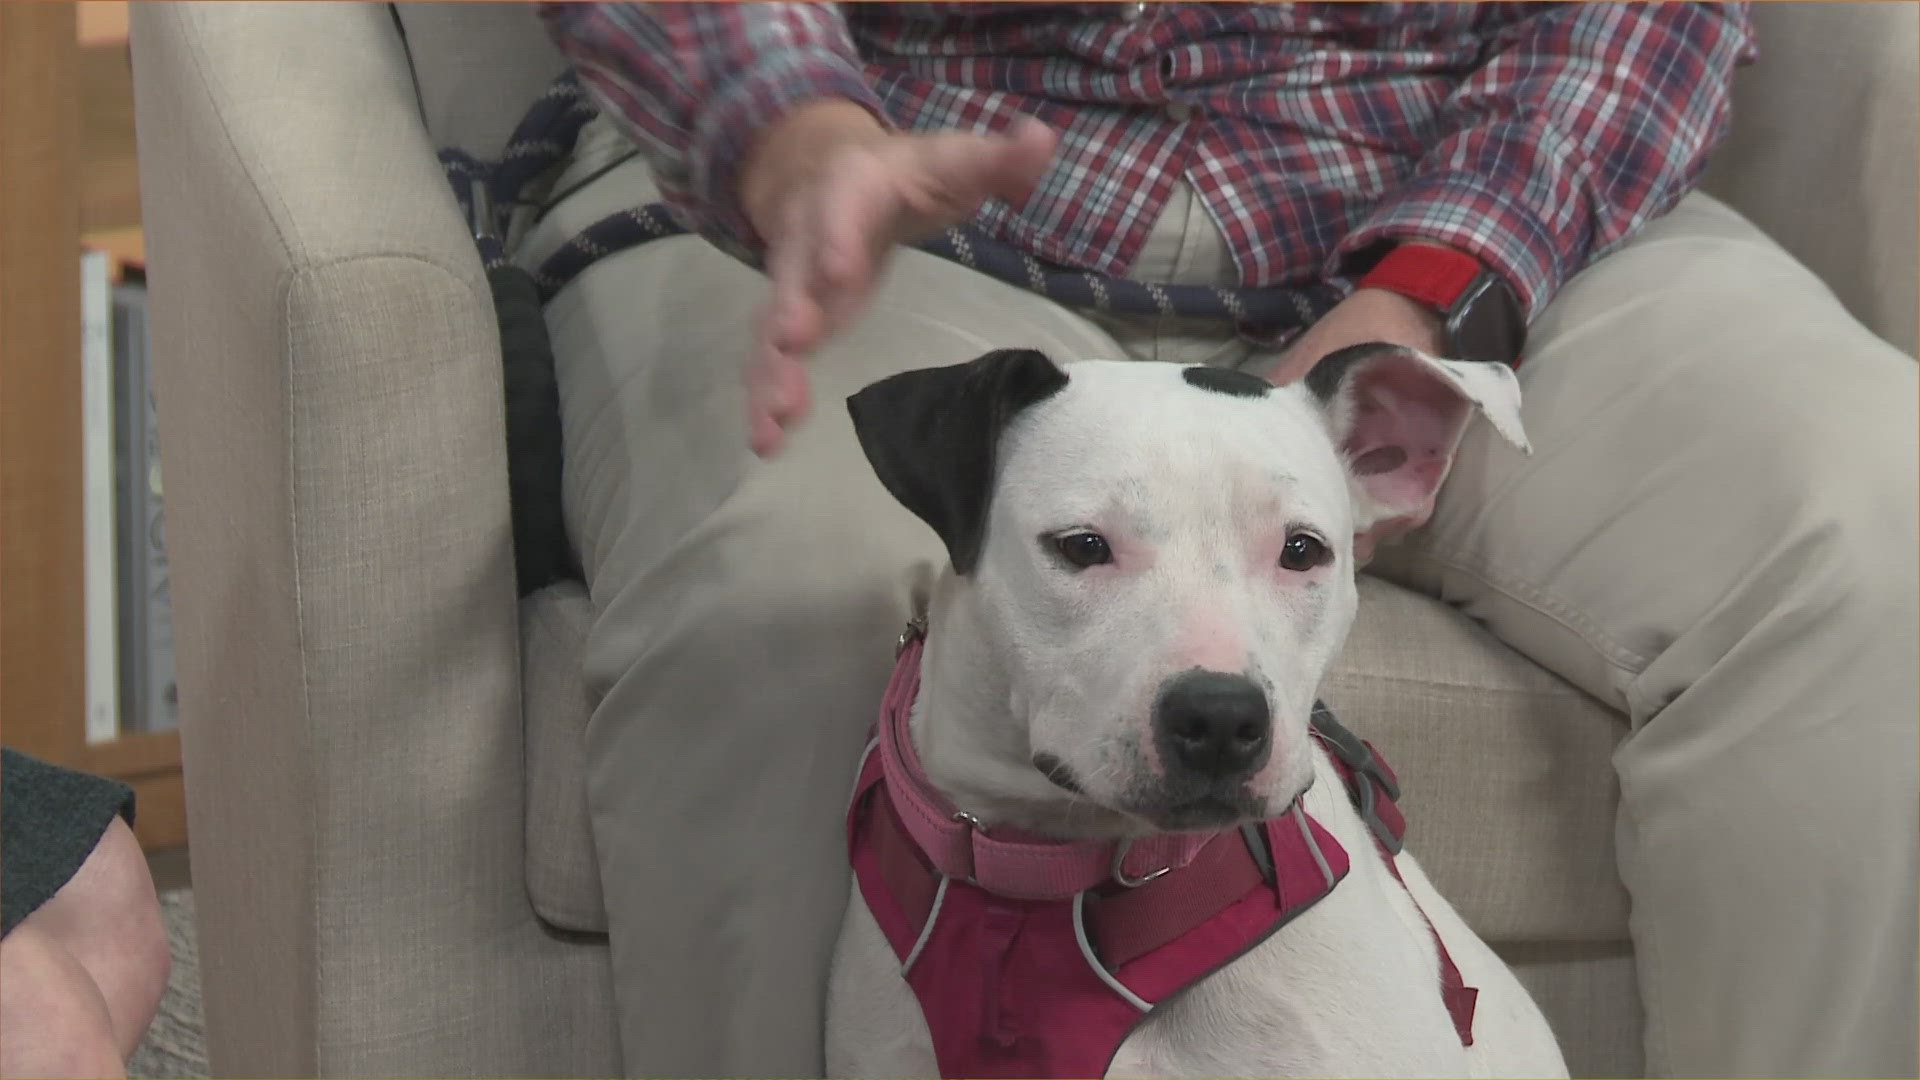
(70, 173)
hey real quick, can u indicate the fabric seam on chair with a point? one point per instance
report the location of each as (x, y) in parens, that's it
(196, 54)
(275, 209)
(308, 759)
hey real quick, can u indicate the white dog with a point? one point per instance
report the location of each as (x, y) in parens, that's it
(1104, 829)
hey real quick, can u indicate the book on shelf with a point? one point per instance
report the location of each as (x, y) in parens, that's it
(129, 625)
(98, 489)
(148, 698)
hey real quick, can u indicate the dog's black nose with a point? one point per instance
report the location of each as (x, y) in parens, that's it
(1214, 724)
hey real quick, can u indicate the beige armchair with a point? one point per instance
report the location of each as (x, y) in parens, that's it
(390, 849)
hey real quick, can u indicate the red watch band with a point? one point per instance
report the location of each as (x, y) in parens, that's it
(1435, 276)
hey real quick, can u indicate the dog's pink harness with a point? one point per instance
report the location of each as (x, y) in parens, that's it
(1033, 957)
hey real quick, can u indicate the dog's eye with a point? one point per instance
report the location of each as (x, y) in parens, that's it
(1304, 551)
(1083, 549)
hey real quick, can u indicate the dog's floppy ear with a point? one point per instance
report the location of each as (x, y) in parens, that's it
(931, 436)
(1396, 415)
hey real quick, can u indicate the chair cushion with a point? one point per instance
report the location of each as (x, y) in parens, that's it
(1509, 789)
(1506, 771)
(1591, 997)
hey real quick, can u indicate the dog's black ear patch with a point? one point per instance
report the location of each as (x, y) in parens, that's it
(1226, 381)
(931, 436)
(1324, 379)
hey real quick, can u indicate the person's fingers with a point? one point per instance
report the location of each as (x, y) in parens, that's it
(793, 391)
(957, 172)
(764, 436)
(861, 220)
(857, 214)
(837, 236)
(782, 386)
(758, 380)
(794, 322)
(823, 266)
(1030, 149)
(768, 399)
(778, 395)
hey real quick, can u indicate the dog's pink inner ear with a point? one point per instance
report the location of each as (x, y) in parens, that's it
(1404, 422)
(1378, 460)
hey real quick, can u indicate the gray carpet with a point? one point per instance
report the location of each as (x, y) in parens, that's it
(176, 1044)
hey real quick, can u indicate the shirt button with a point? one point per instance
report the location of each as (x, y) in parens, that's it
(1180, 111)
(1131, 12)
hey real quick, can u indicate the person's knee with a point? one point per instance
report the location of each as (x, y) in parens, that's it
(108, 917)
(1821, 488)
(1842, 477)
(55, 1019)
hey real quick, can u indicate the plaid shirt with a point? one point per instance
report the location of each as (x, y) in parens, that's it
(1535, 136)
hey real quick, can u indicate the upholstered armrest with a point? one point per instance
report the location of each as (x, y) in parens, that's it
(1825, 150)
(331, 427)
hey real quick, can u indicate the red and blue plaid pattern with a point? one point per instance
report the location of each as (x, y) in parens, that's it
(1536, 136)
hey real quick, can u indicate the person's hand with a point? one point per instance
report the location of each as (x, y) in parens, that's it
(831, 192)
(1366, 315)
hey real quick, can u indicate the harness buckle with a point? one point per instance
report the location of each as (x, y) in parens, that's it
(974, 824)
(1119, 868)
(480, 209)
(916, 629)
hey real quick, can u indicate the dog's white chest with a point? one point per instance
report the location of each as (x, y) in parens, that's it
(1349, 988)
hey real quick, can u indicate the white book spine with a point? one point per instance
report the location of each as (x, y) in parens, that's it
(97, 480)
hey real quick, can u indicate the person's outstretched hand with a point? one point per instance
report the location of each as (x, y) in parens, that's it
(831, 192)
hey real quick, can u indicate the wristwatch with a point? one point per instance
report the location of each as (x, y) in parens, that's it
(1481, 313)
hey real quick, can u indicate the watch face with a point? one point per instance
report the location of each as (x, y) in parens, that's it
(1486, 322)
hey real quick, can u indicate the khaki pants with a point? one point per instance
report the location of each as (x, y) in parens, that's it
(1715, 535)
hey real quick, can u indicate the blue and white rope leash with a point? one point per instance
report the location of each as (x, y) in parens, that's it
(489, 192)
